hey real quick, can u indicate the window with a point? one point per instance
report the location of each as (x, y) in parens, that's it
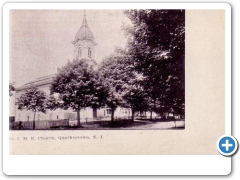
(57, 116)
(122, 111)
(108, 111)
(79, 52)
(27, 118)
(89, 53)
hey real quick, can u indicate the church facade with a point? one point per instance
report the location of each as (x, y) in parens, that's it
(84, 47)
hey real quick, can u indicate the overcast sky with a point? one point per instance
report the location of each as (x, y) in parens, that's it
(40, 40)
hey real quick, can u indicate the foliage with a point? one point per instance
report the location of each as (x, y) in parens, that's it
(123, 83)
(33, 99)
(134, 96)
(112, 76)
(77, 86)
(52, 102)
(99, 93)
(74, 85)
(157, 45)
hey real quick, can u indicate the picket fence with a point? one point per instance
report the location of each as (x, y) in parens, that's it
(43, 124)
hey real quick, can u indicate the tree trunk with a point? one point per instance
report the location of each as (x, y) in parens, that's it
(78, 118)
(94, 112)
(34, 120)
(112, 115)
(133, 113)
(151, 115)
(174, 121)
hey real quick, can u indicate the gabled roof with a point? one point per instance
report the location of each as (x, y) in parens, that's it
(45, 80)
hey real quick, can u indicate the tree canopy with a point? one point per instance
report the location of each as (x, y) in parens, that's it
(77, 86)
(33, 99)
(113, 76)
(157, 47)
(123, 83)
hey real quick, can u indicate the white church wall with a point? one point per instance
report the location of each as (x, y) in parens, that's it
(105, 113)
(123, 112)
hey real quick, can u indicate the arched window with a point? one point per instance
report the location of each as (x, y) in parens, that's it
(89, 53)
(79, 52)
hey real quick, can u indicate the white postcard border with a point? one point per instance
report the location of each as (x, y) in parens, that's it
(114, 164)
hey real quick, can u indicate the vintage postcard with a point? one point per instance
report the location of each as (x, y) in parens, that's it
(104, 81)
(86, 74)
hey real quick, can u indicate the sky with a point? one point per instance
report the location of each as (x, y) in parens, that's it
(40, 40)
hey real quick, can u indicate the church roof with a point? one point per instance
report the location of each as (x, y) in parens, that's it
(45, 80)
(84, 31)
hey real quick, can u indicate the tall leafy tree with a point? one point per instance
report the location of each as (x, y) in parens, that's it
(113, 75)
(123, 83)
(135, 98)
(33, 99)
(99, 94)
(157, 45)
(76, 86)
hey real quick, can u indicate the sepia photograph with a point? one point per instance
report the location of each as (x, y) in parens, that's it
(91, 86)
(97, 69)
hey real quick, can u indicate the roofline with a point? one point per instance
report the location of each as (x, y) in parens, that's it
(48, 78)
(76, 40)
(26, 87)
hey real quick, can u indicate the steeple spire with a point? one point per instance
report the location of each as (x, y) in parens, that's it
(84, 32)
(84, 23)
(84, 43)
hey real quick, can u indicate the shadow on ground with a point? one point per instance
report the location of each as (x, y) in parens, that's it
(120, 125)
(179, 127)
(115, 124)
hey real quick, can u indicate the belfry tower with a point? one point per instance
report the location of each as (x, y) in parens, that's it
(84, 43)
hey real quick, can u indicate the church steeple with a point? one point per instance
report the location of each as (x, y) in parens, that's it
(84, 43)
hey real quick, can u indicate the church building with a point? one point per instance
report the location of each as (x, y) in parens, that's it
(84, 47)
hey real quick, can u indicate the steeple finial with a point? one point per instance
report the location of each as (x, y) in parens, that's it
(84, 23)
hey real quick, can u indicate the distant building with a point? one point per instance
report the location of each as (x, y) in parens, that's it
(84, 47)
